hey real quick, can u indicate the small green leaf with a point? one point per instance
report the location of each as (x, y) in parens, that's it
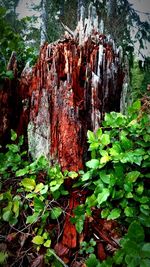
(33, 218)
(13, 135)
(129, 211)
(92, 261)
(6, 215)
(56, 212)
(44, 190)
(38, 187)
(47, 244)
(91, 136)
(86, 176)
(28, 183)
(38, 204)
(105, 213)
(22, 172)
(38, 240)
(93, 163)
(114, 214)
(102, 197)
(132, 176)
(16, 207)
(105, 139)
(79, 224)
(72, 174)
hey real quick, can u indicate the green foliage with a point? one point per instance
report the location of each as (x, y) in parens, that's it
(140, 78)
(28, 200)
(117, 172)
(12, 39)
(87, 247)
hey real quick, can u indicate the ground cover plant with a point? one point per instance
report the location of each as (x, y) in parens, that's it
(34, 199)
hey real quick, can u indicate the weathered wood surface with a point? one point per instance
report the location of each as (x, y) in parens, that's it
(67, 93)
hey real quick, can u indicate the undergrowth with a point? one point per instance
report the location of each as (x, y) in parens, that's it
(34, 199)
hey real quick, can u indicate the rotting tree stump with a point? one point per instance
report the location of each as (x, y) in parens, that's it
(74, 82)
(67, 93)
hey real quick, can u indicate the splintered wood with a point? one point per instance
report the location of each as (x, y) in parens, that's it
(68, 92)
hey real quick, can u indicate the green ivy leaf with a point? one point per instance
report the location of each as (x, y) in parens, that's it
(86, 176)
(102, 197)
(93, 163)
(91, 136)
(38, 240)
(33, 218)
(92, 261)
(79, 224)
(129, 211)
(132, 176)
(105, 139)
(105, 213)
(136, 232)
(114, 214)
(28, 183)
(72, 174)
(56, 212)
(22, 172)
(6, 215)
(39, 187)
(47, 244)
(38, 204)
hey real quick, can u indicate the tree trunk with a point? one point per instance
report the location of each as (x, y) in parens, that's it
(75, 81)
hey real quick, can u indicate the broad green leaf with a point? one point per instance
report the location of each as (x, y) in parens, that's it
(13, 135)
(6, 215)
(91, 136)
(86, 176)
(102, 197)
(47, 244)
(79, 224)
(93, 163)
(114, 214)
(44, 190)
(38, 187)
(28, 183)
(22, 172)
(13, 148)
(92, 261)
(38, 240)
(132, 176)
(99, 133)
(104, 177)
(72, 174)
(105, 159)
(56, 212)
(16, 207)
(136, 232)
(91, 201)
(144, 219)
(105, 139)
(105, 213)
(145, 251)
(33, 218)
(129, 211)
(38, 204)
